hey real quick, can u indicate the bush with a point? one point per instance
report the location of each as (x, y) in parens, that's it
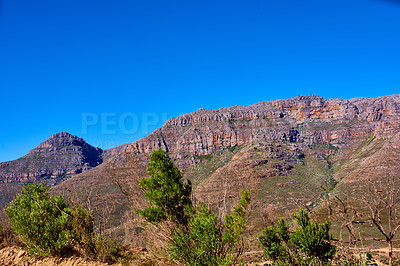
(42, 221)
(206, 241)
(46, 225)
(310, 244)
(201, 243)
(273, 240)
(311, 238)
(83, 229)
(109, 250)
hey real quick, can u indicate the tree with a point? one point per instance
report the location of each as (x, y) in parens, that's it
(201, 243)
(169, 195)
(235, 223)
(311, 238)
(197, 236)
(310, 244)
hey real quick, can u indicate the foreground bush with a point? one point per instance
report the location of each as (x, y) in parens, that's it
(42, 221)
(109, 250)
(46, 225)
(309, 244)
(82, 226)
(206, 241)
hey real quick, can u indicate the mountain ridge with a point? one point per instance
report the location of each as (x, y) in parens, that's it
(291, 113)
(309, 108)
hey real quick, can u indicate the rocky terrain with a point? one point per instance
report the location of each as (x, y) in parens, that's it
(15, 256)
(282, 150)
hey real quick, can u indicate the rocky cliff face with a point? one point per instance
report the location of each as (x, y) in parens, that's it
(303, 119)
(59, 157)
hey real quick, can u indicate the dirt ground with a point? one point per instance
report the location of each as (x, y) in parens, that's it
(10, 256)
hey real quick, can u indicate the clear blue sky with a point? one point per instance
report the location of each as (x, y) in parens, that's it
(65, 64)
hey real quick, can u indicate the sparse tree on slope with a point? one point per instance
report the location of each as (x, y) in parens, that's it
(377, 204)
(168, 194)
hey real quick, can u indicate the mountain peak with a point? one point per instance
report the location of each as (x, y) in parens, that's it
(61, 139)
(62, 135)
(59, 157)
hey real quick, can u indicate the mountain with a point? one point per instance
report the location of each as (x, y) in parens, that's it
(52, 161)
(283, 150)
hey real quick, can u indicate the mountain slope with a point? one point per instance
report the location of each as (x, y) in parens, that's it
(282, 150)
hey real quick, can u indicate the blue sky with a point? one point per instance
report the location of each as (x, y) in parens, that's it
(113, 71)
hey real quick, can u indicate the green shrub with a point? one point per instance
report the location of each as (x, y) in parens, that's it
(235, 223)
(274, 240)
(206, 241)
(310, 244)
(42, 221)
(311, 238)
(201, 243)
(46, 225)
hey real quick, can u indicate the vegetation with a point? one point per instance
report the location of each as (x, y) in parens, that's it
(206, 242)
(48, 226)
(195, 234)
(197, 237)
(82, 223)
(169, 196)
(309, 244)
(42, 221)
